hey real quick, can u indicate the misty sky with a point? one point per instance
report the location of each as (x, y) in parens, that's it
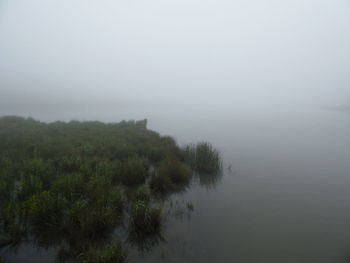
(66, 54)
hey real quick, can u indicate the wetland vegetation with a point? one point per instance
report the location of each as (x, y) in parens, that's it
(72, 185)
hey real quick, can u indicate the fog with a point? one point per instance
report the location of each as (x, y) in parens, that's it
(111, 60)
(266, 82)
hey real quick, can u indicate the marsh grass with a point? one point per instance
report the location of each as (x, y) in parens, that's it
(85, 221)
(138, 194)
(45, 210)
(161, 185)
(144, 219)
(28, 186)
(171, 176)
(135, 170)
(7, 179)
(69, 185)
(178, 172)
(94, 219)
(93, 222)
(203, 158)
(145, 222)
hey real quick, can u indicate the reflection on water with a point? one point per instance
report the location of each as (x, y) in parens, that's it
(145, 243)
(209, 180)
(56, 246)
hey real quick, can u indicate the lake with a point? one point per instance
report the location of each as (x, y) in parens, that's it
(285, 197)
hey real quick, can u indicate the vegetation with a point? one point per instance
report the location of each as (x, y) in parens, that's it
(73, 183)
(134, 171)
(144, 219)
(171, 175)
(203, 158)
(138, 194)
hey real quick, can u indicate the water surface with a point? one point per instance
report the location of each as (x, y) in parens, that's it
(286, 198)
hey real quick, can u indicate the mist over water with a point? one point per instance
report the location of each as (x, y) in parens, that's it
(68, 59)
(255, 78)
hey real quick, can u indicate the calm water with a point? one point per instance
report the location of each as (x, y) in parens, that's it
(286, 199)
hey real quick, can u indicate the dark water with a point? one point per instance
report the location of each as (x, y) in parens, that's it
(286, 198)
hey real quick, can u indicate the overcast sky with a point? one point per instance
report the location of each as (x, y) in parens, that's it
(159, 53)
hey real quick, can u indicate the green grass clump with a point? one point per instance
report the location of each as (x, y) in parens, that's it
(45, 210)
(110, 254)
(28, 186)
(97, 188)
(203, 158)
(138, 194)
(161, 185)
(171, 175)
(144, 219)
(71, 186)
(41, 169)
(134, 171)
(94, 218)
(85, 221)
(7, 179)
(178, 172)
